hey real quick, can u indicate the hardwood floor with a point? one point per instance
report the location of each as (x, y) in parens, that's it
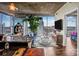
(69, 50)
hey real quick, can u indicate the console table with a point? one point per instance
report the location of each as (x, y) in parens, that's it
(13, 45)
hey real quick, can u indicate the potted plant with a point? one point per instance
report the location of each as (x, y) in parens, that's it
(33, 22)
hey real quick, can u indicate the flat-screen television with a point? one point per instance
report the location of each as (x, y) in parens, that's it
(59, 24)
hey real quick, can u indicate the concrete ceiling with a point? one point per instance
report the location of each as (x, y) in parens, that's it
(36, 8)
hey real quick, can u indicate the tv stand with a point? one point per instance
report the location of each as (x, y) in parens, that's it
(59, 40)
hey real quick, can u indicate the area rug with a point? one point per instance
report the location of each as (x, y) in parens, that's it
(44, 41)
(34, 52)
(19, 52)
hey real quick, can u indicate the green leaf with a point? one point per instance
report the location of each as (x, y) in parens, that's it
(33, 21)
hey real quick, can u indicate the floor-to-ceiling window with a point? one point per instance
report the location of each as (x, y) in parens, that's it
(71, 24)
(49, 23)
(18, 20)
(44, 34)
(5, 23)
(0, 24)
(8, 22)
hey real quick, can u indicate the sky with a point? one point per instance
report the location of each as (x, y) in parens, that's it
(48, 20)
(6, 21)
(71, 21)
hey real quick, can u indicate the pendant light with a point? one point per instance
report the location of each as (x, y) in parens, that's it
(12, 7)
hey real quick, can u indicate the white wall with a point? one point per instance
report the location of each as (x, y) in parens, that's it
(65, 9)
(62, 12)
